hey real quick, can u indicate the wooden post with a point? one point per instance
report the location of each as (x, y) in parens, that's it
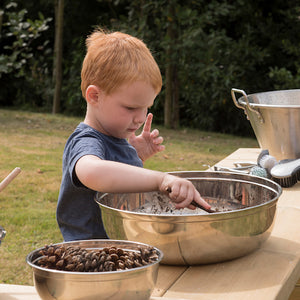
(58, 47)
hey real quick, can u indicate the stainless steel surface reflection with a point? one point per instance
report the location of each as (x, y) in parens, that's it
(199, 239)
(133, 284)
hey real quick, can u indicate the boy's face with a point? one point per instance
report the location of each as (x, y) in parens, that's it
(124, 111)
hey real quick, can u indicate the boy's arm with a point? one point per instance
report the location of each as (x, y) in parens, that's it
(147, 143)
(114, 177)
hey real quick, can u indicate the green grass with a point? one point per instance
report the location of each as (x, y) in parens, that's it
(35, 142)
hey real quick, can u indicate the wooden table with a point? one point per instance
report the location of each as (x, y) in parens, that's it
(269, 273)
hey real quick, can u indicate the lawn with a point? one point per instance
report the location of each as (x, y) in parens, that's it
(35, 142)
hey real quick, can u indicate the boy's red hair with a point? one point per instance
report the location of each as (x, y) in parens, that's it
(116, 58)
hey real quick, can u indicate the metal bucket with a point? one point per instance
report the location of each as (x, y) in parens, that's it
(275, 119)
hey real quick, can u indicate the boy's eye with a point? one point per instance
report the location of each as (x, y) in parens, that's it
(135, 108)
(130, 108)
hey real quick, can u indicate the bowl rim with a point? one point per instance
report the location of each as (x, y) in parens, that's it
(207, 216)
(271, 106)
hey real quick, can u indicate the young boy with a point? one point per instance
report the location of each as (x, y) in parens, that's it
(120, 80)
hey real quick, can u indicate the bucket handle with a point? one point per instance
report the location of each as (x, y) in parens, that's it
(233, 91)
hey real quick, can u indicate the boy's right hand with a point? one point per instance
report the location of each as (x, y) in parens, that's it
(148, 142)
(182, 192)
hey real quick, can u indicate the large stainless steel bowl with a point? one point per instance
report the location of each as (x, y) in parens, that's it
(275, 119)
(132, 284)
(198, 239)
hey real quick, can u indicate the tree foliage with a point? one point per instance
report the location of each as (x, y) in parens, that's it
(204, 48)
(23, 66)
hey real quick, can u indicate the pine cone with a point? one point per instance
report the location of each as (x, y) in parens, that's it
(78, 259)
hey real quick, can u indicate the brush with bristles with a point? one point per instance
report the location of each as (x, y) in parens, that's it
(266, 161)
(286, 172)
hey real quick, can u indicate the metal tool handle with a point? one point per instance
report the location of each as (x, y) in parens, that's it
(233, 91)
(2, 233)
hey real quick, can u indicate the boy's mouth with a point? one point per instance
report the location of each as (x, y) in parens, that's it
(132, 129)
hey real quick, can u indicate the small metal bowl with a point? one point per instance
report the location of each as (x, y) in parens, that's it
(133, 284)
(191, 239)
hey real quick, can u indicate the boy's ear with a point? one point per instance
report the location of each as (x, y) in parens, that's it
(92, 94)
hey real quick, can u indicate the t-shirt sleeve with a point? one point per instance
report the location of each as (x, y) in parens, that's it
(80, 147)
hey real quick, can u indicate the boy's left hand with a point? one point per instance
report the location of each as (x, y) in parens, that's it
(147, 143)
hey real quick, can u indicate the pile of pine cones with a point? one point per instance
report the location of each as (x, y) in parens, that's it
(77, 259)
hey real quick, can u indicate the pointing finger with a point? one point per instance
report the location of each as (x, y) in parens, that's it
(148, 122)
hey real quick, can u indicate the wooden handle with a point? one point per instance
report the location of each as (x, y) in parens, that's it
(5, 182)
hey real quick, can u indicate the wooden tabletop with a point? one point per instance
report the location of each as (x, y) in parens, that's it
(270, 272)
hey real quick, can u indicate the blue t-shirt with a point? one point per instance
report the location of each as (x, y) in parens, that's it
(78, 215)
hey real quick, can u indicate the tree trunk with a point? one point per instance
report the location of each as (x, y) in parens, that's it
(168, 93)
(171, 105)
(175, 116)
(57, 62)
(1, 20)
(169, 71)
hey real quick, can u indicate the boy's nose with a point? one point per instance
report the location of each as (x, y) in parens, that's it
(140, 117)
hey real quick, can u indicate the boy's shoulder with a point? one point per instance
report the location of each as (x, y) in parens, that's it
(84, 140)
(84, 128)
(83, 131)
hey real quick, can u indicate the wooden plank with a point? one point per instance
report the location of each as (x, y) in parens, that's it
(242, 154)
(296, 292)
(259, 275)
(166, 298)
(290, 197)
(167, 275)
(285, 236)
(285, 239)
(18, 292)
